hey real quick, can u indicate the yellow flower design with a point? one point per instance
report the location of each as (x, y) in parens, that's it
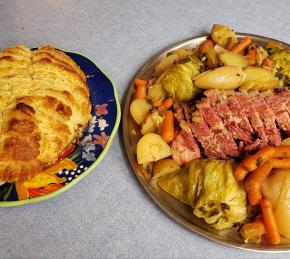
(45, 181)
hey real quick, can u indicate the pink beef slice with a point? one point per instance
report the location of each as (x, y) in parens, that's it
(278, 104)
(218, 100)
(178, 112)
(184, 147)
(205, 137)
(222, 136)
(255, 120)
(268, 118)
(240, 115)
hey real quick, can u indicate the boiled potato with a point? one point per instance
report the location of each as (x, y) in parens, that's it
(259, 78)
(224, 36)
(232, 59)
(152, 123)
(156, 92)
(227, 77)
(165, 63)
(151, 147)
(139, 109)
(164, 167)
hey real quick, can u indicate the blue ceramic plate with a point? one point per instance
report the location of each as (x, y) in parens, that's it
(81, 158)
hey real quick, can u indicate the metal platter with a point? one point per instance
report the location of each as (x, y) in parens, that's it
(176, 210)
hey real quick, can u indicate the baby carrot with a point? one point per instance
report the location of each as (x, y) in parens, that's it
(203, 47)
(282, 152)
(271, 227)
(166, 105)
(141, 88)
(280, 163)
(240, 173)
(252, 162)
(140, 82)
(240, 46)
(168, 126)
(251, 56)
(267, 62)
(253, 183)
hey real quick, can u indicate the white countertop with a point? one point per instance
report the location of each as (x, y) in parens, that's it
(108, 214)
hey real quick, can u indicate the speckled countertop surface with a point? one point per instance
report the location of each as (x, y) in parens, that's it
(108, 215)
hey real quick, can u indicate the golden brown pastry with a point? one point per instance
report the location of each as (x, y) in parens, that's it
(44, 106)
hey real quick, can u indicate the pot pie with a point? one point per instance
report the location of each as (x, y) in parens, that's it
(44, 107)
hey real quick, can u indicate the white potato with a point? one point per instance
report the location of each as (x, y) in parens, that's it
(152, 123)
(151, 147)
(227, 77)
(164, 167)
(232, 59)
(223, 35)
(139, 109)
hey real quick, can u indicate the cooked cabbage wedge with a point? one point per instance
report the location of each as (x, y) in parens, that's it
(178, 80)
(209, 187)
(259, 78)
(281, 59)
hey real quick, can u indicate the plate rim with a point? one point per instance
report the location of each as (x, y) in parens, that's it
(176, 217)
(93, 165)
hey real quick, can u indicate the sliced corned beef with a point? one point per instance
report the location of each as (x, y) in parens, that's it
(255, 120)
(230, 124)
(184, 147)
(222, 137)
(218, 100)
(239, 112)
(268, 118)
(278, 104)
(178, 112)
(206, 137)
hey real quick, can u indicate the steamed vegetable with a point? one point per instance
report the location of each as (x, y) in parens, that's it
(182, 53)
(276, 188)
(251, 163)
(259, 78)
(141, 88)
(231, 59)
(178, 81)
(207, 49)
(281, 60)
(156, 94)
(253, 231)
(151, 147)
(139, 109)
(167, 132)
(152, 123)
(208, 186)
(271, 227)
(227, 77)
(242, 45)
(164, 167)
(223, 36)
(165, 64)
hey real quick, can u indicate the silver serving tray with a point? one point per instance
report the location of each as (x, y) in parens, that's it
(178, 211)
